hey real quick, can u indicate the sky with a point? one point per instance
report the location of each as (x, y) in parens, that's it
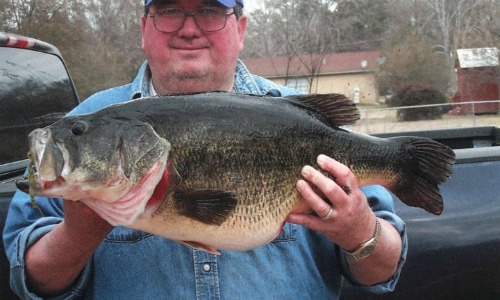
(250, 5)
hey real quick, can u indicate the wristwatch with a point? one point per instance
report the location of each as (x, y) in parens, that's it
(367, 248)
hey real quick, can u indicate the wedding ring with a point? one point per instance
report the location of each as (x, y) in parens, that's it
(328, 215)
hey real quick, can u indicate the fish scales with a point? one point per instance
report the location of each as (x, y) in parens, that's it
(218, 170)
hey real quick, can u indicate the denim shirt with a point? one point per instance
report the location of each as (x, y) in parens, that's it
(129, 264)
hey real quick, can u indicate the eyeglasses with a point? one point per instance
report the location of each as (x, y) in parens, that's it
(208, 19)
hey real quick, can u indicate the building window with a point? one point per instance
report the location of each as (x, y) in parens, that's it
(300, 84)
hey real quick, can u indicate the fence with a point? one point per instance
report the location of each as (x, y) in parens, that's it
(382, 120)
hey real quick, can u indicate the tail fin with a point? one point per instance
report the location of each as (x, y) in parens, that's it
(432, 165)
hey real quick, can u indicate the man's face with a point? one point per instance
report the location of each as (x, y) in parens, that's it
(191, 60)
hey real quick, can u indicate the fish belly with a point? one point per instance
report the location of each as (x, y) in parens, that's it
(248, 227)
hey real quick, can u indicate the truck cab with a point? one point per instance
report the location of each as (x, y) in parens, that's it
(35, 91)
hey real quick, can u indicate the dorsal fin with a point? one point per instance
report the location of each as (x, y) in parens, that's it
(335, 109)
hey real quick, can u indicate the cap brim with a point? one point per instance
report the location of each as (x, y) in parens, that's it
(226, 3)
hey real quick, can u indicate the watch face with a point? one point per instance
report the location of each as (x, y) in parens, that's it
(367, 250)
(369, 246)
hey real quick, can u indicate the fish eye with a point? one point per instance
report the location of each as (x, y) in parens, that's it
(79, 128)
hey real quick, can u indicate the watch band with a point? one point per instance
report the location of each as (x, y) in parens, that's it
(368, 247)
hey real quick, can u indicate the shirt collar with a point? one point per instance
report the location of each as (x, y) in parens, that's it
(244, 82)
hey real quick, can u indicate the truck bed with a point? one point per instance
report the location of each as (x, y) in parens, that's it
(454, 255)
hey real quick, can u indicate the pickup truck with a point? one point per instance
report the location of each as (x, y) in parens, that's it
(35, 90)
(452, 256)
(455, 255)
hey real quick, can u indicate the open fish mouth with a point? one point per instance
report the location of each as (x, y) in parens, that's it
(36, 181)
(145, 197)
(32, 185)
(49, 163)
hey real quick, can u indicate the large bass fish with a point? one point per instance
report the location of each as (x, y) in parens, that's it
(218, 170)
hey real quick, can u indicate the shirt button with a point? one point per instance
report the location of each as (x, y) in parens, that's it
(206, 267)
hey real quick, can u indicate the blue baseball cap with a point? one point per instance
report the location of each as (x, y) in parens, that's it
(226, 3)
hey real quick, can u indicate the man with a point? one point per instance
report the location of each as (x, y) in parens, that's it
(193, 46)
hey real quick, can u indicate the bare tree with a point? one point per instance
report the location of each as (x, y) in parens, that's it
(452, 19)
(298, 30)
(115, 33)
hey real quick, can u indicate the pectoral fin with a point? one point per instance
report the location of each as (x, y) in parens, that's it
(211, 207)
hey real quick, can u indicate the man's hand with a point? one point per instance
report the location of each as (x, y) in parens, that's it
(80, 219)
(344, 216)
(54, 262)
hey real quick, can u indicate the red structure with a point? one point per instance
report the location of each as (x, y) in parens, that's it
(478, 80)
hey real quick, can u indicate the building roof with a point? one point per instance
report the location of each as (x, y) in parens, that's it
(335, 63)
(477, 57)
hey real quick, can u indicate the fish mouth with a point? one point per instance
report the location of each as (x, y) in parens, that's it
(33, 185)
(48, 158)
(48, 163)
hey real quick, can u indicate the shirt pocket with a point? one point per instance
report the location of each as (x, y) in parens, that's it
(126, 235)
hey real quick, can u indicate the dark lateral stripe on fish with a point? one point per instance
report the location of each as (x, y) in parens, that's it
(434, 166)
(334, 109)
(211, 207)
